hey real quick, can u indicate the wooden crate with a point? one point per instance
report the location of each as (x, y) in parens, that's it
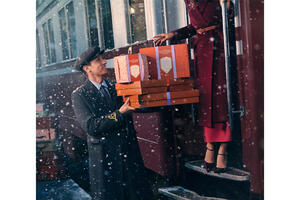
(132, 67)
(168, 62)
(136, 91)
(180, 88)
(141, 84)
(141, 87)
(166, 102)
(162, 96)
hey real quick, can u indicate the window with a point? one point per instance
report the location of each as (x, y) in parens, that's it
(92, 23)
(49, 42)
(72, 31)
(68, 32)
(106, 24)
(99, 18)
(38, 50)
(136, 21)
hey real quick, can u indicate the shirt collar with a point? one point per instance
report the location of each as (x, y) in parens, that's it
(98, 85)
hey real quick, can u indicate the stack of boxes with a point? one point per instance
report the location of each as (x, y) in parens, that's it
(45, 129)
(48, 167)
(157, 76)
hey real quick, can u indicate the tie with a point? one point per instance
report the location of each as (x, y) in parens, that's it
(105, 94)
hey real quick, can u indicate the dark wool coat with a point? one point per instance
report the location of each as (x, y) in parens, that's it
(115, 164)
(209, 59)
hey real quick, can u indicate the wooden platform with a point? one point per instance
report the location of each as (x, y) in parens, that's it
(232, 173)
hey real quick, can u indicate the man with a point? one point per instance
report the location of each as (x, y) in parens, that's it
(115, 163)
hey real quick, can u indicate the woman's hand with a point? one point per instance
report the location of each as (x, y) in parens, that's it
(200, 31)
(160, 38)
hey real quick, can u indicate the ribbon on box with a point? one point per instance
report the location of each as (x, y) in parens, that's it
(158, 64)
(141, 69)
(128, 69)
(168, 98)
(174, 61)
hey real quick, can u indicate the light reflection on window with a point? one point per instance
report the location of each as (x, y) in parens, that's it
(64, 34)
(68, 31)
(49, 43)
(136, 21)
(92, 23)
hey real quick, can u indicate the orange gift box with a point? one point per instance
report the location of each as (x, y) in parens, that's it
(168, 62)
(132, 67)
(163, 99)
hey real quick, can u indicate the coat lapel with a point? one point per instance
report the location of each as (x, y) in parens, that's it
(94, 97)
(97, 101)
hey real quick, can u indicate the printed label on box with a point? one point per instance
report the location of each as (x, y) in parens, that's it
(135, 70)
(166, 64)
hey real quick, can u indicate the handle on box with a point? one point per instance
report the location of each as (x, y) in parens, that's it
(129, 50)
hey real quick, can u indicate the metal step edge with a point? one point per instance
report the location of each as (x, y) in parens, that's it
(168, 192)
(225, 175)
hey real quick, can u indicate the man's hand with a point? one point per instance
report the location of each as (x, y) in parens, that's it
(125, 107)
(160, 38)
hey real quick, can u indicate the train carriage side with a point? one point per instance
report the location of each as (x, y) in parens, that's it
(56, 80)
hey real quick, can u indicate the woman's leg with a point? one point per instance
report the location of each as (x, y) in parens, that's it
(210, 154)
(222, 156)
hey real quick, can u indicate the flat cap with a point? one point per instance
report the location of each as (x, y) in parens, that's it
(86, 57)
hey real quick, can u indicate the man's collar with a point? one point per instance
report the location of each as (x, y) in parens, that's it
(98, 85)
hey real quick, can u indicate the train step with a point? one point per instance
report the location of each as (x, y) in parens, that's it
(180, 193)
(232, 173)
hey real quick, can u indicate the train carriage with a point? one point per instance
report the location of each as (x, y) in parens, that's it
(66, 28)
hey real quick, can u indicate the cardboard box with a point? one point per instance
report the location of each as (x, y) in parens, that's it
(167, 62)
(45, 134)
(132, 67)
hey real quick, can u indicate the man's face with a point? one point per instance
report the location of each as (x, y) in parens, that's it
(97, 67)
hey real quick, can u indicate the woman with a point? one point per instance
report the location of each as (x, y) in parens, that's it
(206, 24)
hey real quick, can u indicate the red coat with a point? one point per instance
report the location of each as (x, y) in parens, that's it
(209, 59)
